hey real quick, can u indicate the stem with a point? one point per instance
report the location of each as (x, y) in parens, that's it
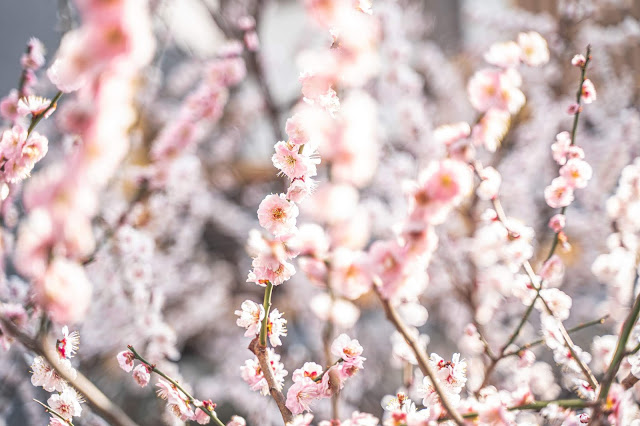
(260, 352)
(102, 405)
(571, 330)
(620, 352)
(419, 352)
(174, 383)
(265, 321)
(36, 119)
(54, 412)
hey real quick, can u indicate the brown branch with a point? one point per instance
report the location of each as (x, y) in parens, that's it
(100, 403)
(274, 389)
(418, 350)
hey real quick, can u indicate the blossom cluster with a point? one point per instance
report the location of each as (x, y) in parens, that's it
(178, 402)
(65, 401)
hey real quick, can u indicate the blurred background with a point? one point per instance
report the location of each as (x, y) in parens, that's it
(198, 224)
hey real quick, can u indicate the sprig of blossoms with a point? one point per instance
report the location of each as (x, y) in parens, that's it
(65, 400)
(310, 383)
(179, 401)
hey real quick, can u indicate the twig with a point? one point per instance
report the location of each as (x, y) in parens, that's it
(616, 360)
(191, 399)
(419, 352)
(274, 389)
(54, 412)
(541, 341)
(98, 400)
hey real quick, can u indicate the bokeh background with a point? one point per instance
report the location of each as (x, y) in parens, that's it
(200, 225)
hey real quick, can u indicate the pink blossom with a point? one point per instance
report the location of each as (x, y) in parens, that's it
(237, 421)
(576, 173)
(292, 163)
(574, 108)
(177, 401)
(250, 317)
(557, 300)
(504, 55)
(560, 147)
(496, 89)
(316, 270)
(349, 350)
(277, 215)
(340, 312)
(34, 58)
(264, 271)
(252, 374)
(73, 64)
(490, 185)
(9, 106)
(578, 61)
(276, 328)
(450, 133)
(125, 360)
(226, 72)
(34, 105)
(69, 343)
(12, 142)
(66, 403)
(559, 193)
(295, 128)
(557, 222)
(141, 374)
(588, 91)
(491, 129)
(534, 49)
(64, 291)
(55, 421)
(310, 370)
(299, 189)
(46, 376)
(552, 271)
(301, 394)
(350, 273)
(312, 240)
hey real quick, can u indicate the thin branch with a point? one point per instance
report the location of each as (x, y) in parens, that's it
(54, 412)
(616, 360)
(274, 389)
(191, 399)
(421, 355)
(100, 403)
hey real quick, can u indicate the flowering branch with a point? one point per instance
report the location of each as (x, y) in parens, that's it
(419, 352)
(36, 118)
(98, 400)
(618, 355)
(583, 70)
(200, 406)
(540, 341)
(54, 412)
(260, 352)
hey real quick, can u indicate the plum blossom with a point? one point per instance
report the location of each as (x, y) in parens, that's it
(534, 50)
(66, 403)
(578, 60)
(125, 360)
(557, 222)
(252, 373)
(588, 92)
(349, 350)
(277, 215)
(142, 375)
(250, 316)
(576, 173)
(68, 345)
(490, 184)
(301, 394)
(505, 55)
(498, 89)
(559, 193)
(34, 105)
(292, 163)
